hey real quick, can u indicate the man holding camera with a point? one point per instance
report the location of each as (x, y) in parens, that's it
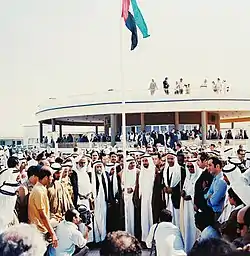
(71, 241)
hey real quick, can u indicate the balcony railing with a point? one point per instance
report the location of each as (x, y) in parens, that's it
(140, 95)
(87, 145)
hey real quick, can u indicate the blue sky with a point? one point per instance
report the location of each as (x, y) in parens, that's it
(55, 48)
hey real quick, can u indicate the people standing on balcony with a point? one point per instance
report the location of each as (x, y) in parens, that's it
(187, 87)
(227, 86)
(204, 85)
(224, 86)
(219, 85)
(166, 85)
(176, 87)
(181, 86)
(229, 135)
(214, 86)
(152, 87)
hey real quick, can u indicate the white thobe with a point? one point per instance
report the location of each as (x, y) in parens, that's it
(100, 213)
(190, 232)
(168, 240)
(84, 189)
(7, 202)
(146, 183)
(227, 209)
(175, 171)
(129, 180)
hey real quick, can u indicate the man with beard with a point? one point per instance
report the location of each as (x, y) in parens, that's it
(99, 182)
(59, 198)
(172, 177)
(84, 185)
(71, 180)
(146, 183)
(130, 187)
(113, 157)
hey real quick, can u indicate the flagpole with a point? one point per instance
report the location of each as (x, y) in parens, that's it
(123, 98)
(124, 142)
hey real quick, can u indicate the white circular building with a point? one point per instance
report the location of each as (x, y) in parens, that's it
(201, 106)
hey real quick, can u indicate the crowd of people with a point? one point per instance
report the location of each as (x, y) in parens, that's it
(219, 87)
(175, 202)
(168, 138)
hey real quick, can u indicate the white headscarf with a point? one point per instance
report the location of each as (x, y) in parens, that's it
(84, 184)
(147, 175)
(108, 168)
(93, 178)
(8, 187)
(233, 174)
(174, 171)
(129, 176)
(247, 157)
(191, 179)
(237, 182)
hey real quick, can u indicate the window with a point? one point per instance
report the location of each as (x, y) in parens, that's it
(156, 128)
(164, 128)
(148, 128)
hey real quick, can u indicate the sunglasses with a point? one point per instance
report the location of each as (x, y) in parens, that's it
(190, 166)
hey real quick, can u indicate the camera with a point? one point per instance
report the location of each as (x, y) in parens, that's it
(85, 214)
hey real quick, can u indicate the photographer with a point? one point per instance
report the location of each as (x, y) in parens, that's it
(70, 240)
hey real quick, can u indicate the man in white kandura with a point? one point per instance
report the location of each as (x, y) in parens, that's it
(100, 193)
(193, 173)
(146, 183)
(128, 179)
(172, 186)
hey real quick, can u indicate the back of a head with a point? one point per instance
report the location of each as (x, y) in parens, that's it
(165, 216)
(22, 239)
(33, 170)
(12, 162)
(120, 243)
(213, 246)
(39, 157)
(43, 172)
(70, 214)
(203, 156)
(59, 160)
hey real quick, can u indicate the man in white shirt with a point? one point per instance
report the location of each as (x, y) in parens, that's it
(69, 235)
(167, 236)
(153, 87)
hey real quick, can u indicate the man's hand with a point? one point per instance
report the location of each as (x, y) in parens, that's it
(183, 193)
(167, 190)
(54, 241)
(187, 198)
